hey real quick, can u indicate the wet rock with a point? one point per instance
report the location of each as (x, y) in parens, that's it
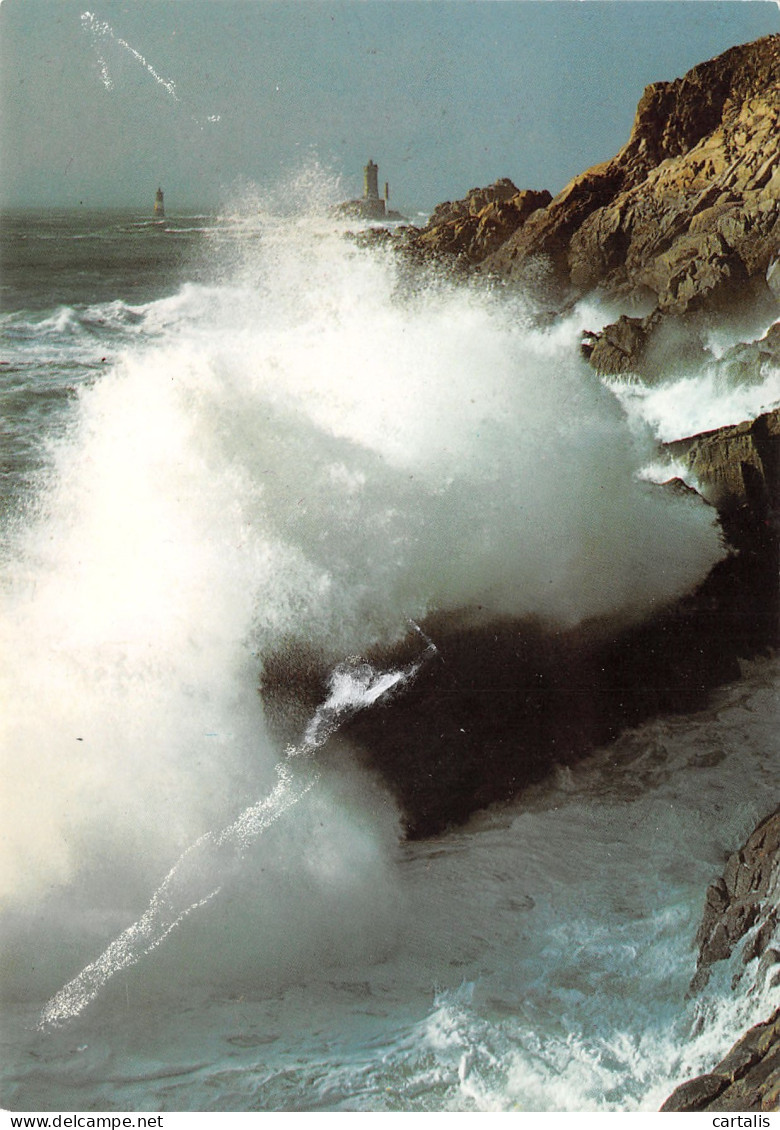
(659, 343)
(503, 704)
(744, 896)
(748, 1079)
(742, 905)
(737, 467)
(620, 347)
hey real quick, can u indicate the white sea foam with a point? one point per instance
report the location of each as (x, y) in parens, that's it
(198, 875)
(317, 448)
(684, 405)
(302, 449)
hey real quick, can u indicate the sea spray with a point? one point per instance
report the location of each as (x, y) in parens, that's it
(682, 405)
(310, 448)
(354, 685)
(311, 445)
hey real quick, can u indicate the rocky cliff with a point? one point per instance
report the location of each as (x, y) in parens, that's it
(685, 218)
(682, 224)
(743, 899)
(689, 209)
(741, 908)
(747, 1079)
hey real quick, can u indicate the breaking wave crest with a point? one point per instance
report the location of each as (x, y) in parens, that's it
(315, 447)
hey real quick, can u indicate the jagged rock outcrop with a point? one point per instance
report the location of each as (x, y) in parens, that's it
(689, 210)
(684, 219)
(747, 1079)
(684, 214)
(744, 897)
(472, 228)
(737, 466)
(619, 347)
(742, 905)
(632, 345)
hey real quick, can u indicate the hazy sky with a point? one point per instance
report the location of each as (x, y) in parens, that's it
(101, 100)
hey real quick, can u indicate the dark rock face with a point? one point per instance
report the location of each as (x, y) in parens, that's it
(744, 901)
(505, 702)
(508, 701)
(737, 466)
(748, 1079)
(744, 896)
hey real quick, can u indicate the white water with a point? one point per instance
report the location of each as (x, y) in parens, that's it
(308, 450)
(197, 876)
(700, 402)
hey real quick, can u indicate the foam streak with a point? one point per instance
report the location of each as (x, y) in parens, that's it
(197, 877)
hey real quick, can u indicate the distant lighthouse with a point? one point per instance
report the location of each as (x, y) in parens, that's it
(371, 206)
(159, 203)
(370, 186)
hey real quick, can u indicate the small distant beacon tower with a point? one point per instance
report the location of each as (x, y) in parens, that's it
(372, 206)
(370, 182)
(159, 203)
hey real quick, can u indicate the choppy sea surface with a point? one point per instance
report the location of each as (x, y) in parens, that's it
(225, 434)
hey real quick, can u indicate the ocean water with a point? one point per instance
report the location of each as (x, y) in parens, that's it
(228, 436)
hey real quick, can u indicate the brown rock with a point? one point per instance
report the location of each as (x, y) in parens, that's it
(620, 347)
(687, 212)
(743, 896)
(748, 1079)
(472, 228)
(737, 466)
